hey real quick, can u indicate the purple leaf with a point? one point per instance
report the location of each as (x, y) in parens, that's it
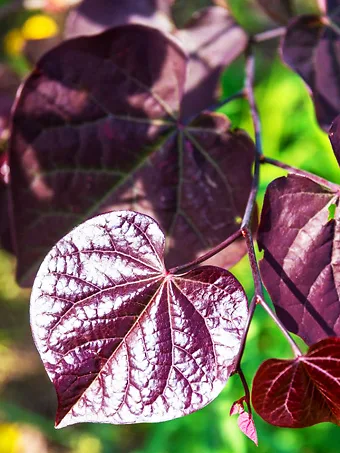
(279, 10)
(247, 426)
(213, 40)
(334, 136)
(312, 50)
(86, 142)
(238, 406)
(245, 420)
(300, 267)
(301, 392)
(122, 339)
(94, 17)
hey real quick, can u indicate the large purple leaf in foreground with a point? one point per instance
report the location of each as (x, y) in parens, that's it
(312, 50)
(97, 128)
(301, 263)
(301, 392)
(123, 340)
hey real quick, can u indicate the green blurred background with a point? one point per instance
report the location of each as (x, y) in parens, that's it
(27, 399)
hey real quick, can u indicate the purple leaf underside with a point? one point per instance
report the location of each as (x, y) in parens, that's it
(301, 263)
(97, 128)
(301, 392)
(312, 50)
(123, 340)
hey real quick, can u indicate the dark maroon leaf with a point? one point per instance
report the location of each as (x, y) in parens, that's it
(245, 420)
(92, 17)
(301, 266)
(122, 339)
(212, 40)
(334, 136)
(300, 392)
(87, 141)
(312, 50)
(279, 10)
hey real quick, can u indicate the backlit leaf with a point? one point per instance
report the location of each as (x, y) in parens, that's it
(122, 339)
(245, 420)
(312, 50)
(300, 392)
(301, 264)
(97, 128)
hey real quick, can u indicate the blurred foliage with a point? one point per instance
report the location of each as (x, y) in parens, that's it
(27, 399)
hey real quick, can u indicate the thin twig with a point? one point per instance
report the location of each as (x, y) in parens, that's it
(269, 34)
(251, 311)
(246, 390)
(295, 348)
(249, 91)
(323, 182)
(223, 102)
(192, 264)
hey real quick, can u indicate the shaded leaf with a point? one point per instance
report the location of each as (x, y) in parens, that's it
(94, 17)
(279, 10)
(301, 392)
(334, 136)
(301, 263)
(312, 50)
(212, 40)
(86, 142)
(122, 339)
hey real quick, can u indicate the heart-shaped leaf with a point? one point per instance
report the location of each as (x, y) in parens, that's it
(300, 392)
(212, 39)
(97, 128)
(312, 50)
(122, 339)
(334, 136)
(301, 264)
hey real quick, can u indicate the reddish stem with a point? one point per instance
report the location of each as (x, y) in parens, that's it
(323, 182)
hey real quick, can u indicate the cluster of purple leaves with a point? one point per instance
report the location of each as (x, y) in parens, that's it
(115, 127)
